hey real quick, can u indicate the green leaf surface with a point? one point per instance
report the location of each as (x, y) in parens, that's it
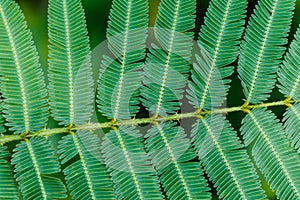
(21, 78)
(129, 165)
(263, 47)
(8, 185)
(289, 73)
(168, 63)
(35, 170)
(225, 160)
(70, 73)
(86, 177)
(219, 40)
(172, 154)
(120, 76)
(291, 124)
(272, 152)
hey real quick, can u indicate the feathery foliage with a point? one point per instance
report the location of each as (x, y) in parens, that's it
(218, 43)
(69, 59)
(119, 77)
(272, 152)
(289, 79)
(288, 75)
(225, 160)
(167, 65)
(292, 124)
(262, 48)
(35, 168)
(21, 78)
(171, 158)
(129, 166)
(87, 177)
(7, 183)
(170, 151)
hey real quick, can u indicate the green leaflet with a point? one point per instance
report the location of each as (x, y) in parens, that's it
(292, 124)
(86, 177)
(8, 185)
(218, 42)
(119, 82)
(272, 152)
(171, 155)
(167, 65)
(35, 166)
(129, 166)
(225, 160)
(288, 75)
(2, 129)
(289, 80)
(70, 73)
(21, 78)
(262, 48)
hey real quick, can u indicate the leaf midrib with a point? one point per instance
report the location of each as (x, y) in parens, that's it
(19, 70)
(84, 166)
(295, 87)
(130, 165)
(227, 163)
(168, 60)
(216, 52)
(170, 151)
(277, 156)
(70, 65)
(125, 43)
(261, 52)
(37, 169)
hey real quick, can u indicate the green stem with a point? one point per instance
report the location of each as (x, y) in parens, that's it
(94, 126)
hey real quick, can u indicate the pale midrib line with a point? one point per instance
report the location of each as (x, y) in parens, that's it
(273, 149)
(128, 160)
(167, 65)
(84, 165)
(295, 112)
(125, 43)
(19, 71)
(216, 52)
(37, 169)
(261, 53)
(295, 87)
(70, 67)
(170, 151)
(219, 148)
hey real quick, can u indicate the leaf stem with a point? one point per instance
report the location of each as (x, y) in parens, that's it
(131, 122)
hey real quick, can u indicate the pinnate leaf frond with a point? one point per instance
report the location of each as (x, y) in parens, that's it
(218, 43)
(263, 47)
(172, 154)
(35, 167)
(21, 78)
(86, 177)
(289, 73)
(129, 165)
(8, 185)
(168, 62)
(70, 72)
(225, 159)
(272, 152)
(120, 77)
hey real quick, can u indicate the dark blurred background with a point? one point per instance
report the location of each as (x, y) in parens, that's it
(97, 12)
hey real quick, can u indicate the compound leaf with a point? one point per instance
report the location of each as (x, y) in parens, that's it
(86, 177)
(70, 73)
(21, 78)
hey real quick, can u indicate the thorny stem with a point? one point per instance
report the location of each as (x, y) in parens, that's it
(112, 124)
